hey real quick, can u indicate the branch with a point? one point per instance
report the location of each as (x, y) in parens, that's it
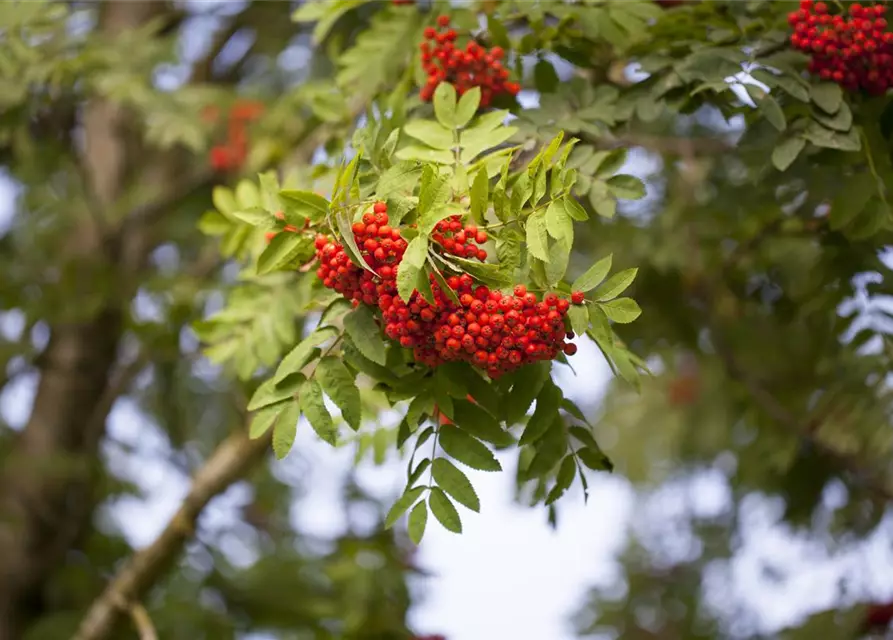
(869, 480)
(142, 621)
(229, 462)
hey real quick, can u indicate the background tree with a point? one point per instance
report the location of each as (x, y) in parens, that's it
(767, 207)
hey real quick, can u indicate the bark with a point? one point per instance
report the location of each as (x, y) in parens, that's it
(45, 498)
(229, 462)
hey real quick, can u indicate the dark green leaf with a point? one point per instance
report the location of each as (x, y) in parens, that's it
(444, 510)
(285, 429)
(621, 310)
(418, 519)
(786, 151)
(473, 419)
(402, 505)
(299, 357)
(549, 450)
(565, 478)
(339, 384)
(827, 95)
(270, 393)
(626, 187)
(314, 409)
(455, 483)
(595, 460)
(537, 236)
(467, 450)
(363, 330)
(421, 467)
(547, 404)
(615, 285)
(594, 275)
(528, 381)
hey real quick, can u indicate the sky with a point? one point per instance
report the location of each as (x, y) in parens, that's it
(509, 575)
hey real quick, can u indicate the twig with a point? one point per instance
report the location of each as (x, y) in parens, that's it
(229, 462)
(141, 620)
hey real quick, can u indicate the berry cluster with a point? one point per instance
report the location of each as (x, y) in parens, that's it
(473, 67)
(230, 155)
(494, 331)
(854, 51)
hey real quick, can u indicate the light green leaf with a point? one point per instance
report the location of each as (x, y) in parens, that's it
(298, 358)
(445, 104)
(436, 214)
(468, 450)
(270, 393)
(402, 505)
(256, 217)
(559, 256)
(615, 285)
(360, 325)
(455, 483)
(286, 249)
(407, 280)
(621, 310)
(285, 429)
(593, 275)
(480, 196)
(400, 178)
(425, 154)
(264, 419)
(418, 519)
(307, 203)
(314, 408)
(431, 133)
(444, 510)
(558, 223)
(339, 384)
(574, 209)
(579, 317)
(626, 187)
(475, 141)
(537, 236)
(434, 190)
(467, 107)
(224, 201)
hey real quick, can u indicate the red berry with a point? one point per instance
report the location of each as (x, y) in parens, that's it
(443, 21)
(380, 207)
(570, 348)
(520, 290)
(577, 297)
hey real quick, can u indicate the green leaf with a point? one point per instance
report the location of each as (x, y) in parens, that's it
(558, 223)
(285, 429)
(490, 274)
(444, 510)
(786, 151)
(480, 196)
(626, 187)
(264, 419)
(595, 460)
(475, 141)
(411, 266)
(559, 256)
(528, 381)
(421, 405)
(544, 77)
(425, 154)
(564, 479)
(578, 314)
(256, 217)
(615, 285)
(549, 450)
(285, 249)
(402, 505)
(473, 419)
(360, 325)
(337, 308)
(622, 310)
(224, 200)
(827, 95)
(270, 393)
(537, 236)
(841, 121)
(339, 384)
(468, 106)
(584, 436)
(314, 408)
(299, 357)
(773, 112)
(441, 281)
(852, 200)
(467, 449)
(593, 275)
(418, 519)
(574, 209)
(434, 191)
(307, 203)
(400, 178)
(421, 467)
(547, 404)
(445, 104)
(431, 133)
(349, 242)
(606, 163)
(455, 483)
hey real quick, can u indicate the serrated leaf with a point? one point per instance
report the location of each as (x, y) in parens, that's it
(538, 236)
(307, 203)
(827, 95)
(433, 192)
(418, 519)
(547, 404)
(559, 256)
(360, 325)
(473, 419)
(595, 460)
(455, 483)
(444, 510)
(270, 393)
(594, 275)
(339, 384)
(425, 154)
(285, 249)
(431, 133)
(285, 429)
(468, 450)
(621, 310)
(558, 223)
(615, 285)
(467, 107)
(445, 104)
(578, 314)
(549, 450)
(400, 178)
(256, 217)
(264, 419)
(337, 308)
(299, 357)
(626, 187)
(314, 409)
(402, 505)
(480, 196)
(584, 436)
(407, 280)
(441, 281)
(475, 141)
(564, 479)
(785, 152)
(528, 381)
(421, 467)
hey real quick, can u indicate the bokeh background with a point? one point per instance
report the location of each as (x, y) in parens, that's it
(752, 469)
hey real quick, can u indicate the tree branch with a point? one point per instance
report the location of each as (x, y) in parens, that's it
(229, 462)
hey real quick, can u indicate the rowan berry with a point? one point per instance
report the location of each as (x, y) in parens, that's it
(577, 297)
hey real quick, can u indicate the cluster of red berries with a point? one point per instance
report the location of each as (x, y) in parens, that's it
(854, 51)
(231, 155)
(473, 67)
(491, 330)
